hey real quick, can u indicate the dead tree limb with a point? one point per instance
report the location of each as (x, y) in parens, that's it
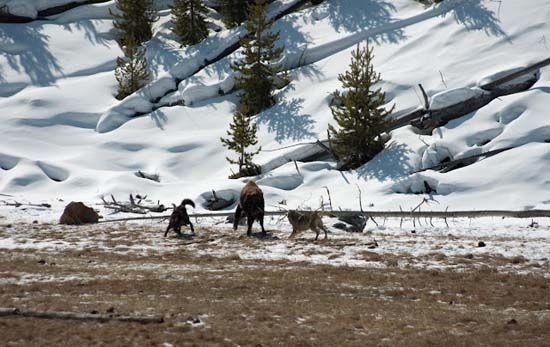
(365, 215)
(19, 204)
(329, 199)
(425, 96)
(152, 177)
(80, 316)
(133, 206)
(381, 214)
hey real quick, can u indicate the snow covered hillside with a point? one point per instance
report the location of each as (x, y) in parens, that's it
(64, 136)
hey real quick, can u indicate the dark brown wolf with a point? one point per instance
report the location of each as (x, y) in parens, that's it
(180, 217)
(252, 204)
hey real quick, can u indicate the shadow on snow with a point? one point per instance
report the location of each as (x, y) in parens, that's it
(392, 163)
(284, 119)
(474, 15)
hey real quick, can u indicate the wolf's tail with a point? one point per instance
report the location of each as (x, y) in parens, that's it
(188, 202)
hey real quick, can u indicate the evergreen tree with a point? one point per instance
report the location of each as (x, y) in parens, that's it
(241, 136)
(361, 118)
(257, 71)
(235, 11)
(189, 21)
(131, 72)
(135, 20)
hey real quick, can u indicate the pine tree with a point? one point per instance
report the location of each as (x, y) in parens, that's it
(241, 136)
(131, 72)
(135, 20)
(258, 69)
(361, 118)
(189, 21)
(235, 11)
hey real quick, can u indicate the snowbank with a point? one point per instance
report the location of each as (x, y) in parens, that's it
(65, 136)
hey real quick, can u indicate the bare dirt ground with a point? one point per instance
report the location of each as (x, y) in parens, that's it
(216, 289)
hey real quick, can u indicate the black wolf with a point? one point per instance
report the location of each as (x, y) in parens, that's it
(180, 217)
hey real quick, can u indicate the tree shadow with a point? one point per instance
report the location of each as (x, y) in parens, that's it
(31, 55)
(90, 32)
(73, 119)
(159, 118)
(391, 163)
(293, 37)
(474, 15)
(284, 120)
(220, 69)
(161, 55)
(371, 14)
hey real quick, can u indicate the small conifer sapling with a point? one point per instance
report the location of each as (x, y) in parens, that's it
(234, 11)
(257, 70)
(134, 21)
(132, 71)
(240, 137)
(189, 21)
(361, 118)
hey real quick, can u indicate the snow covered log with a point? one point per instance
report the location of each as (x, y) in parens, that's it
(17, 11)
(304, 153)
(452, 104)
(444, 113)
(461, 162)
(499, 81)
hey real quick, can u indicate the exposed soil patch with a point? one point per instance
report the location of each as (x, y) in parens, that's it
(210, 299)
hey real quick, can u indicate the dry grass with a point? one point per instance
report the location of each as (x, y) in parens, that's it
(228, 301)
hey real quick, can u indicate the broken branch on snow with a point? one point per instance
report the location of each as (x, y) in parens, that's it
(133, 206)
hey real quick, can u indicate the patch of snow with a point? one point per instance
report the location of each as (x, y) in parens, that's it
(65, 136)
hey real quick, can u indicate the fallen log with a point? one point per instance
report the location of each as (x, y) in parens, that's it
(377, 214)
(452, 214)
(66, 7)
(494, 84)
(406, 119)
(6, 17)
(4, 312)
(426, 119)
(434, 118)
(458, 163)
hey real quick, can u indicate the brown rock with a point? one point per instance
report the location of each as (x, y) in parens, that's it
(76, 213)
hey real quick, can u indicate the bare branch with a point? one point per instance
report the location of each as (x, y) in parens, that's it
(132, 206)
